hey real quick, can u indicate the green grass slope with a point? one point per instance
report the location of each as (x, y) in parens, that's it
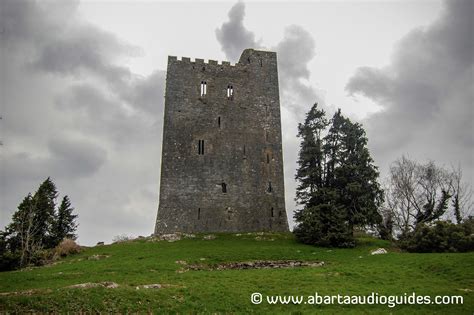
(141, 262)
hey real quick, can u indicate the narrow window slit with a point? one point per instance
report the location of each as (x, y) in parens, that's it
(272, 212)
(224, 187)
(269, 189)
(219, 121)
(201, 147)
(266, 109)
(199, 213)
(268, 158)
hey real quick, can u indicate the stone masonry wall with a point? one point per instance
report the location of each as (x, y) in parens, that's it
(236, 184)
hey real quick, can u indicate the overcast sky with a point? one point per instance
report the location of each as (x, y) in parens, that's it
(82, 87)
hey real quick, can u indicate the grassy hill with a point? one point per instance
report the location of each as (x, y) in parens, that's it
(184, 289)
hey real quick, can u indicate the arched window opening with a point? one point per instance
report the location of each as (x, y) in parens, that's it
(203, 88)
(230, 91)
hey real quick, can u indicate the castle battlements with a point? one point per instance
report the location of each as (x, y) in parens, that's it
(248, 57)
(199, 61)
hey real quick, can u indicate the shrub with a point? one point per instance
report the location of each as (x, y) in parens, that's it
(323, 225)
(9, 260)
(41, 257)
(443, 236)
(66, 248)
(122, 238)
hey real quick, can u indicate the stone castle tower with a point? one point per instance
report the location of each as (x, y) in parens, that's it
(222, 163)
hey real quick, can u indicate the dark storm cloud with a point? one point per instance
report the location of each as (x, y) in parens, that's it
(294, 52)
(81, 52)
(85, 157)
(85, 50)
(373, 83)
(147, 94)
(66, 158)
(87, 99)
(54, 40)
(233, 36)
(102, 114)
(20, 19)
(426, 92)
(73, 111)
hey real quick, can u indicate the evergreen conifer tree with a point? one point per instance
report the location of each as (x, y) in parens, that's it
(65, 225)
(338, 186)
(44, 203)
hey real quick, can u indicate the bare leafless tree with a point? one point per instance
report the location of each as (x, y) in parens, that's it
(400, 192)
(462, 201)
(417, 193)
(26, 231)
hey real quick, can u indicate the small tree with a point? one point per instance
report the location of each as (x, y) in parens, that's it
(44, 205)
(462, 202)
(386, 226)
(23, 232)
(64, 225)
(432, 193)
(310, 173)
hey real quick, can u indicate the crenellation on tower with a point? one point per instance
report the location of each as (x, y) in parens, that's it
(200, 61)
(222, 162)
